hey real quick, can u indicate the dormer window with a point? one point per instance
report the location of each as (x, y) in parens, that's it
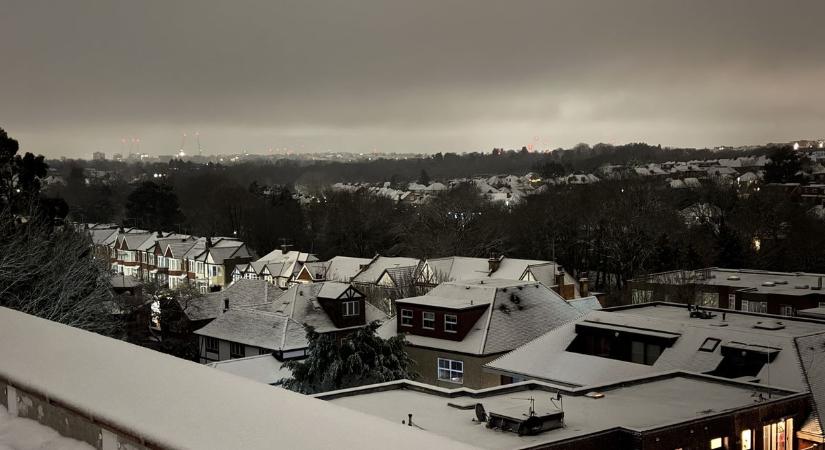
(428, 320)
(450, 323)
(351, 308)
(406, 318)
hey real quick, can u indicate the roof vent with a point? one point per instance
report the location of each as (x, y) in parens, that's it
(801, 286)
(781, 282)
(594, 394)
(734, 278)
(769, 284)
(769, 325)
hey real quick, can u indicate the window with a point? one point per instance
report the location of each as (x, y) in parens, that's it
(822, 304)
(787, 310)
(352, 308)
(211, 344)
(644, 353)
(213, 270)
(716, 443)
(450, 323)
(406, 318)
(450, 370)
(199, 266)
(263, 351)
(709, 345)
(236, 350)
(428, 320)
(747, 440)
(778, 436)
(731, 301)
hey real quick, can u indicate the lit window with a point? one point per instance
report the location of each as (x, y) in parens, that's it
(351, 308)
(778, 436)
(709, 345)
(428, 320)
(450, 323)
(747, 440)
(406, 318)
(450, 370)
(716, 443)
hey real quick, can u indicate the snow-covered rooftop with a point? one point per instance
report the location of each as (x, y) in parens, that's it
(180, 404)
(639, 405)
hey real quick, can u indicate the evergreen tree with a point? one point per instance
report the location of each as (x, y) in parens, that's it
(363, 358)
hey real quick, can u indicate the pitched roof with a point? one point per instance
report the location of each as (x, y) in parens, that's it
(344, 268)
(379, 264)
(257, 328)
(300, 302)
(241, 293)
(812, 358)
(516, 312)
(103, 237)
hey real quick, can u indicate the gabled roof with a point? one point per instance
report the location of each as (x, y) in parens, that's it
(178, 247)
(516, 312)
(379, 264)
(344, 268)
(241, 293)
(300, 302)
(133, 241)
(103, 237)
(812, 358)
(258, 328)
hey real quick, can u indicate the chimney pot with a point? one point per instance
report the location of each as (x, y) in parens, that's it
(225, 305)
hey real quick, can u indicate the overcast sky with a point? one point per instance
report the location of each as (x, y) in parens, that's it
(412, 76)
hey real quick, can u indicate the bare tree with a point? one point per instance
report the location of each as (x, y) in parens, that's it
(49, 272)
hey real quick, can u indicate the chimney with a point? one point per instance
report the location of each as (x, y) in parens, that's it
(160, 234)
(494, 262)
(225, 305)
(560, 278)
(208, 242)
(584, 286)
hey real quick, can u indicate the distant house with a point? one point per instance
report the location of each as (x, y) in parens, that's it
(278, 326)
(338, 268)
(434, 271)
(457, 327)
(278, 267)
(385, 279)
(737, 289)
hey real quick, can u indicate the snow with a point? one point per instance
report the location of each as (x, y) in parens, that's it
(638, 405)
(181, 404)
(17, 433)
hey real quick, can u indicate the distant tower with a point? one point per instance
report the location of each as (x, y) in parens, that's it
(198, 139)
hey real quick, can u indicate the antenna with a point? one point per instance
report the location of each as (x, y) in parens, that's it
(532, 410)
(198, 139)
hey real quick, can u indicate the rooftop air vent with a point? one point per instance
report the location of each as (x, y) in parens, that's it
(594, 394)
(769, 284)
(769, 325)
(801, 286)
(734, 278)
(781, 282)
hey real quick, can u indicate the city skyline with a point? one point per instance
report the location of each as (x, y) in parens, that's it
(397, 77)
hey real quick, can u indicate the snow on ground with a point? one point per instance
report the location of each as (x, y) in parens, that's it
(25, 434)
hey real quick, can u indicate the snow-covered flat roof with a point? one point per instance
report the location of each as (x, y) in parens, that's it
(178, 404)
(638, 405)
(262, 368)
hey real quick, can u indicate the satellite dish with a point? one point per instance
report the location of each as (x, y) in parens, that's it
(481, 414)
